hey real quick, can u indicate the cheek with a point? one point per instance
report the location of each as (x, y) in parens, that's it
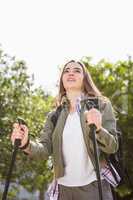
(81, 81)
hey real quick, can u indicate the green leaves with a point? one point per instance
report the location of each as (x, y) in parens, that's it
(18, 98)
(115, 80)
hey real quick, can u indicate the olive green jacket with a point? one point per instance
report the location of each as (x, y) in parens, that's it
(50, 142)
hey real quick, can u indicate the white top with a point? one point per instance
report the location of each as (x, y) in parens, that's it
(79, 170)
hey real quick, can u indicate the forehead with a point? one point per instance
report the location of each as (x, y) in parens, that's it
(73, 65)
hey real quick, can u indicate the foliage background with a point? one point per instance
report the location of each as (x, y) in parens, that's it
(19, 97)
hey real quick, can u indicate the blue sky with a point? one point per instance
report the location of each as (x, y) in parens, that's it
(46, 33)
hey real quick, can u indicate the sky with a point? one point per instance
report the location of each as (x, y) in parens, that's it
(47, 33)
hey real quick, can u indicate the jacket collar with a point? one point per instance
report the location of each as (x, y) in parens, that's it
(82, 100)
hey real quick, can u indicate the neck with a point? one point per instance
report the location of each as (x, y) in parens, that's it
(72, 97)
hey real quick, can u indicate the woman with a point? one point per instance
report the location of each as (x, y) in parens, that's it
(69, 142)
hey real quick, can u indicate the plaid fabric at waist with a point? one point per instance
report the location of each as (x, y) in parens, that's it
(108, 176)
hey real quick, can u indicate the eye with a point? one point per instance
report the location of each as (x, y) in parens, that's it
(78, 70)
(66, 71)
(75, 70)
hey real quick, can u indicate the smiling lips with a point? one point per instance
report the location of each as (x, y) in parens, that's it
(70, 79)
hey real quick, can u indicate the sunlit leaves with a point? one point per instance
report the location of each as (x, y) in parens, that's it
(115, 80)
(19, 98)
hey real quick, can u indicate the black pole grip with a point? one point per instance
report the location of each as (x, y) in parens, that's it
(21, 121)
(17, 142)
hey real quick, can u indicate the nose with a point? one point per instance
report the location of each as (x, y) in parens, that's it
(71, 73)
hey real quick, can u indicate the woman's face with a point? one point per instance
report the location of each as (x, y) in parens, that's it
(73, 77)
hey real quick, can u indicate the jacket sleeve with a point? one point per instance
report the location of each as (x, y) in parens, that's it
(107, 137)
(42, 148)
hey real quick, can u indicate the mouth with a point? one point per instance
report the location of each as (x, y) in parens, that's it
(71, 80)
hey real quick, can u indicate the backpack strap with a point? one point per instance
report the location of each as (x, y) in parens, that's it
(92, 103)
(55, 116)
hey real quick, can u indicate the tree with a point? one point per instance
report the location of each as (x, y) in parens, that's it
(115, 80)
(19, 98)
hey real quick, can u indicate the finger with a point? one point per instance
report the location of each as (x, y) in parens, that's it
(17, 132)
(86, 113)
(14, 137)
(24, 128)
(18, 135)
(16, 125)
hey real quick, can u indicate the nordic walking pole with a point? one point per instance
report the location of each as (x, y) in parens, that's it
(17, 143)
(93, 134)
(93, 103)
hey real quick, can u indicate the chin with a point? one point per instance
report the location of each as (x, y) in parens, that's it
(72, 88)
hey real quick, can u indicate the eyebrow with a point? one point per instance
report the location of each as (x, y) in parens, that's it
(73, 68)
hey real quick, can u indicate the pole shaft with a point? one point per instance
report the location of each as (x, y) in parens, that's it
(93, 134)
(16, 145)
